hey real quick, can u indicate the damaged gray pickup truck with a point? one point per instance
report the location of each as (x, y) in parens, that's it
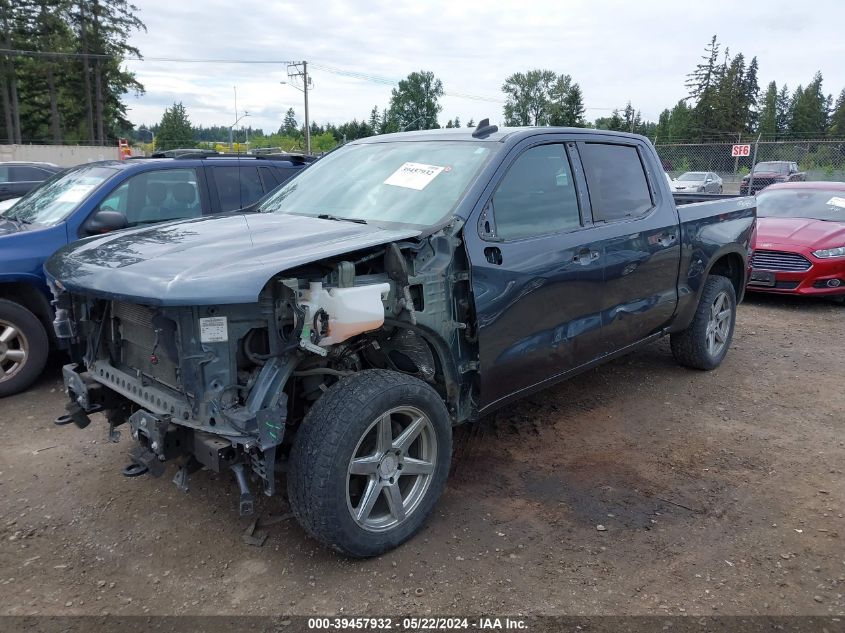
(400, 286)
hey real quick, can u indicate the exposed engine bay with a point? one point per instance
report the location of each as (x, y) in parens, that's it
(226, 386)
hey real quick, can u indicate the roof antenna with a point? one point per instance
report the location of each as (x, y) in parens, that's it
(484, 129)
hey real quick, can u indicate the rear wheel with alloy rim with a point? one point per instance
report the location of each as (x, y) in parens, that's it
(705, 342)
(370, 461)
(23, 348)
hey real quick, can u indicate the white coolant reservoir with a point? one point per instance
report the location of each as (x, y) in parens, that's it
(350, 311)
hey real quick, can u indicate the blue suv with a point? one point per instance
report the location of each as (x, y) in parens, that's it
(97, 198)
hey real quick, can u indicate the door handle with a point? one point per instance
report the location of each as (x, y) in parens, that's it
(585, 256)
(666, 239)
(493, 255)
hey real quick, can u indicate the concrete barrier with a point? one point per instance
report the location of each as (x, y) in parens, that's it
(61, 155)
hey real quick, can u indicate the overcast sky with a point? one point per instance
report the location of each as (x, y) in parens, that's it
(618, 51)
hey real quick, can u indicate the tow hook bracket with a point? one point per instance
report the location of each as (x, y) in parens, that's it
(145, 457)
(114, 436)
(77, 415)
(246, 505)
(190, 466)
(135, 470)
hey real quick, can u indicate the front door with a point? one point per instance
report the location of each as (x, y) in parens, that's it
(536, 273)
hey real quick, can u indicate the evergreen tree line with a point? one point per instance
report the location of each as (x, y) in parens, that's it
(725, 103)
(72, 91)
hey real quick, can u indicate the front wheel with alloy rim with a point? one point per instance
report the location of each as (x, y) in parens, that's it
(370, 461)
(705, 342)
(23, 348)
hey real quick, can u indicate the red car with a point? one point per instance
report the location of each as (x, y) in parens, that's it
(800, 242)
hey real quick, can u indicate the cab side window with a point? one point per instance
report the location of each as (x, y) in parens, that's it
(537, 195)
(156, 196)
(616, 180)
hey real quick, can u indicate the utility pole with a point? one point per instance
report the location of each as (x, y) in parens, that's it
(300, 69)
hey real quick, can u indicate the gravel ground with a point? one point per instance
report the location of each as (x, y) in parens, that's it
(717, 493)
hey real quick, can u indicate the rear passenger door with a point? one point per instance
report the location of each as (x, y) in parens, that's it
(536, 272)
(637, 226)
(237, 186)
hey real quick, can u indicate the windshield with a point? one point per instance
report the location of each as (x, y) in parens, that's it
(693, 176)
(59, 196)
(802, 203)
(409, 182)
(779, 168)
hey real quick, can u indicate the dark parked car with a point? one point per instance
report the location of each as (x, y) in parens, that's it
(401, 285)
(96, 198)
(768, 173)
(19, 178)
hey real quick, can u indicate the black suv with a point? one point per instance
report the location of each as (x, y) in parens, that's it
(18, 178)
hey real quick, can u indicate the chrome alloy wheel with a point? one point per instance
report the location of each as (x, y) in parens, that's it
(14, 350)
(719, 324)
(391, 469)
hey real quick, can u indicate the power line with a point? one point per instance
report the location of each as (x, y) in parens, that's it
(135, 58)
(353, 74)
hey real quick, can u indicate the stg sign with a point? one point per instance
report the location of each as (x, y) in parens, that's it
(741, 150)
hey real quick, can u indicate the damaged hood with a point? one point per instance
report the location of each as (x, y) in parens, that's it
(215, 260)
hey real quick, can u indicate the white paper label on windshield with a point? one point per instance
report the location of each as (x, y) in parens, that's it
(214, 330)
(836, 201)
(413, 176)
(75, 193)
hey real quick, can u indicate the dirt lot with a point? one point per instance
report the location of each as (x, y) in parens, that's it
(721, 493)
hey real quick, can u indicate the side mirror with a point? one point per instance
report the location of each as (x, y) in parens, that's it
(708, 180)
(105, 221)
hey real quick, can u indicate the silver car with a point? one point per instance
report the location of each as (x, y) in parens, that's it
(697, 182)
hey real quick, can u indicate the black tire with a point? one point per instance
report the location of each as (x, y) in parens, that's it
(320, 459)
(690, 346)
(31, 336)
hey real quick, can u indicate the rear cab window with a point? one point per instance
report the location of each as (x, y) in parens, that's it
(616, 180)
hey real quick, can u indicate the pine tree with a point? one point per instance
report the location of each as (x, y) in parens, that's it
(457, 122)
(837, 119)
(289, 126)
(751, 94)
(703, 85)
(783, 109)
(175, 129)
(104, 28)
(768, 119)
(809, 110)
(471, 123)
(375, 121)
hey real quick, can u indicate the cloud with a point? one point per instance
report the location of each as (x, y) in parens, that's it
(617, 51)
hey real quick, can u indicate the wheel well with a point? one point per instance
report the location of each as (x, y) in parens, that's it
(30, 298)
(730, 266)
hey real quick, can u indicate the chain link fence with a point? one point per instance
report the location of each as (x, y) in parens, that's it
(817, 160)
